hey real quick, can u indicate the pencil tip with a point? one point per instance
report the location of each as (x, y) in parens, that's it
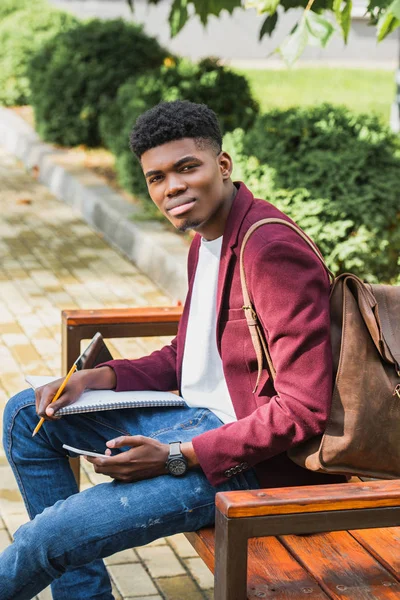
(33, 434)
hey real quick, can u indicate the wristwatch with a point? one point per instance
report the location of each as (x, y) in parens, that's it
(176, 464)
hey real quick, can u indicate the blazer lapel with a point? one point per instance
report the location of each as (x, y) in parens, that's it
(240, 207)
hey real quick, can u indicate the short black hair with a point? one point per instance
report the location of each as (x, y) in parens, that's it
(170, 121)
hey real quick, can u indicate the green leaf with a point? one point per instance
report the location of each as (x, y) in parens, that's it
(343, 17)
(178, 16)
(294, 44)
(386, 24)
(336, 9)
(263, 6)
(269, 25)
(346, 19)
(319, 28)
(395, 8)
(204, 8)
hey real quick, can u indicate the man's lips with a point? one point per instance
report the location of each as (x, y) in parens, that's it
(179, 206)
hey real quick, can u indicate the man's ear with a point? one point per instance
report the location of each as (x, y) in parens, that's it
(225, 164)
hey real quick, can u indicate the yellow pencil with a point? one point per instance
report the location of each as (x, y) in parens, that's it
(56, 397)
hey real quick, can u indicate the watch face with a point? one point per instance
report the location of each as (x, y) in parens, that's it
(177, 466)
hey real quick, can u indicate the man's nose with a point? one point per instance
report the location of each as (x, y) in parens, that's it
(175, 185)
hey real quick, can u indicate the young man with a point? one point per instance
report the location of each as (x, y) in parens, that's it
(228, 437)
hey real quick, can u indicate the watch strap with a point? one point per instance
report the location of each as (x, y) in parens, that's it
(174, 449)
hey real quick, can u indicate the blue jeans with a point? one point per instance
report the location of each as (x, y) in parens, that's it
(70, 532)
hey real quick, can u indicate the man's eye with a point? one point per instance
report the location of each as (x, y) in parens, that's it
(188, 167)
(155, 179)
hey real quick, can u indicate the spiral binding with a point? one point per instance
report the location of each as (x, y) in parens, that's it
(72, 409)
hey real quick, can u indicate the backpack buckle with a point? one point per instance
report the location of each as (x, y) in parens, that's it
(252, 311)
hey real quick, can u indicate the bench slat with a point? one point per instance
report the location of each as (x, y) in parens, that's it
(203, 542)
(342, 567)
(272, 572)
(384, 544)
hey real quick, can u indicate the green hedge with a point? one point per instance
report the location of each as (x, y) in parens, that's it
(9, 6)
(78, 72)
(227, 93)
(22, 34)
(337, 174)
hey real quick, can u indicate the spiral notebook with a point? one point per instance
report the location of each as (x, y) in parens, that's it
(96, 400)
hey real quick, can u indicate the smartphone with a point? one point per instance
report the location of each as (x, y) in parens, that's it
(84, 451)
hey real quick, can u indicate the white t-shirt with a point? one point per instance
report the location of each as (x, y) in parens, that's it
(203, 380)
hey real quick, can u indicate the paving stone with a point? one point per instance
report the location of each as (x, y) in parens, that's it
(14, 521)
(126, 556)
(200, 572)
(11, 502)
(181, 546)
(7, 478)
(159, 542)
(5, 539)
(8, 361)
(26, 354)
(132, 580)
(143, 598)
(46, 594)
(115, 592)
(6, 317)
(161, 561)
(179, 588)
(10, 328)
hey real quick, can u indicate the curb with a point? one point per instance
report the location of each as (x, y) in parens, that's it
(160, 254)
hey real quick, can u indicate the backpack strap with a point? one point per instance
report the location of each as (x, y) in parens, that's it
(256, 333)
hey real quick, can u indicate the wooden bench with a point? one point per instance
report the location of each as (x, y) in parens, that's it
(261, 545)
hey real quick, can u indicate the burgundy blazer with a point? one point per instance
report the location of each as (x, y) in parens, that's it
(290, 291)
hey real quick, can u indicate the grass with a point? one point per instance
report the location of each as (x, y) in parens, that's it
(362, 90)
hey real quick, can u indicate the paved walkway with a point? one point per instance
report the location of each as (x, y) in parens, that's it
(51, 260)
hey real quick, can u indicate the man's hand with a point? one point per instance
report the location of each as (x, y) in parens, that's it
(145, 459)
(98, 379)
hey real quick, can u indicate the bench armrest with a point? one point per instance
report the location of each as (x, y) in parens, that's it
(307, 499)
(81, 324)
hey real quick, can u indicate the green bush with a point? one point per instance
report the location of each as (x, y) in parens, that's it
(337, 175)
(9, 6)
(22, 34)
(227, 93)
(79, 71)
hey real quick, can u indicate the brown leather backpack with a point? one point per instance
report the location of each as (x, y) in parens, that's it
(362, 436)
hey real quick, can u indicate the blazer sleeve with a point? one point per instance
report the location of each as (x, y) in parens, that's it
(157, 371)
(289, 289)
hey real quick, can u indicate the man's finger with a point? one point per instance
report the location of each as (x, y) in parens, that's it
(126, 440)
(117, 459)
(44, 402)
(105, 461)
(53, 407)
(51, 413)
(115, 473)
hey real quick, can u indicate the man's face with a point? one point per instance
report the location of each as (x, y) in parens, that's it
(190, 185)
